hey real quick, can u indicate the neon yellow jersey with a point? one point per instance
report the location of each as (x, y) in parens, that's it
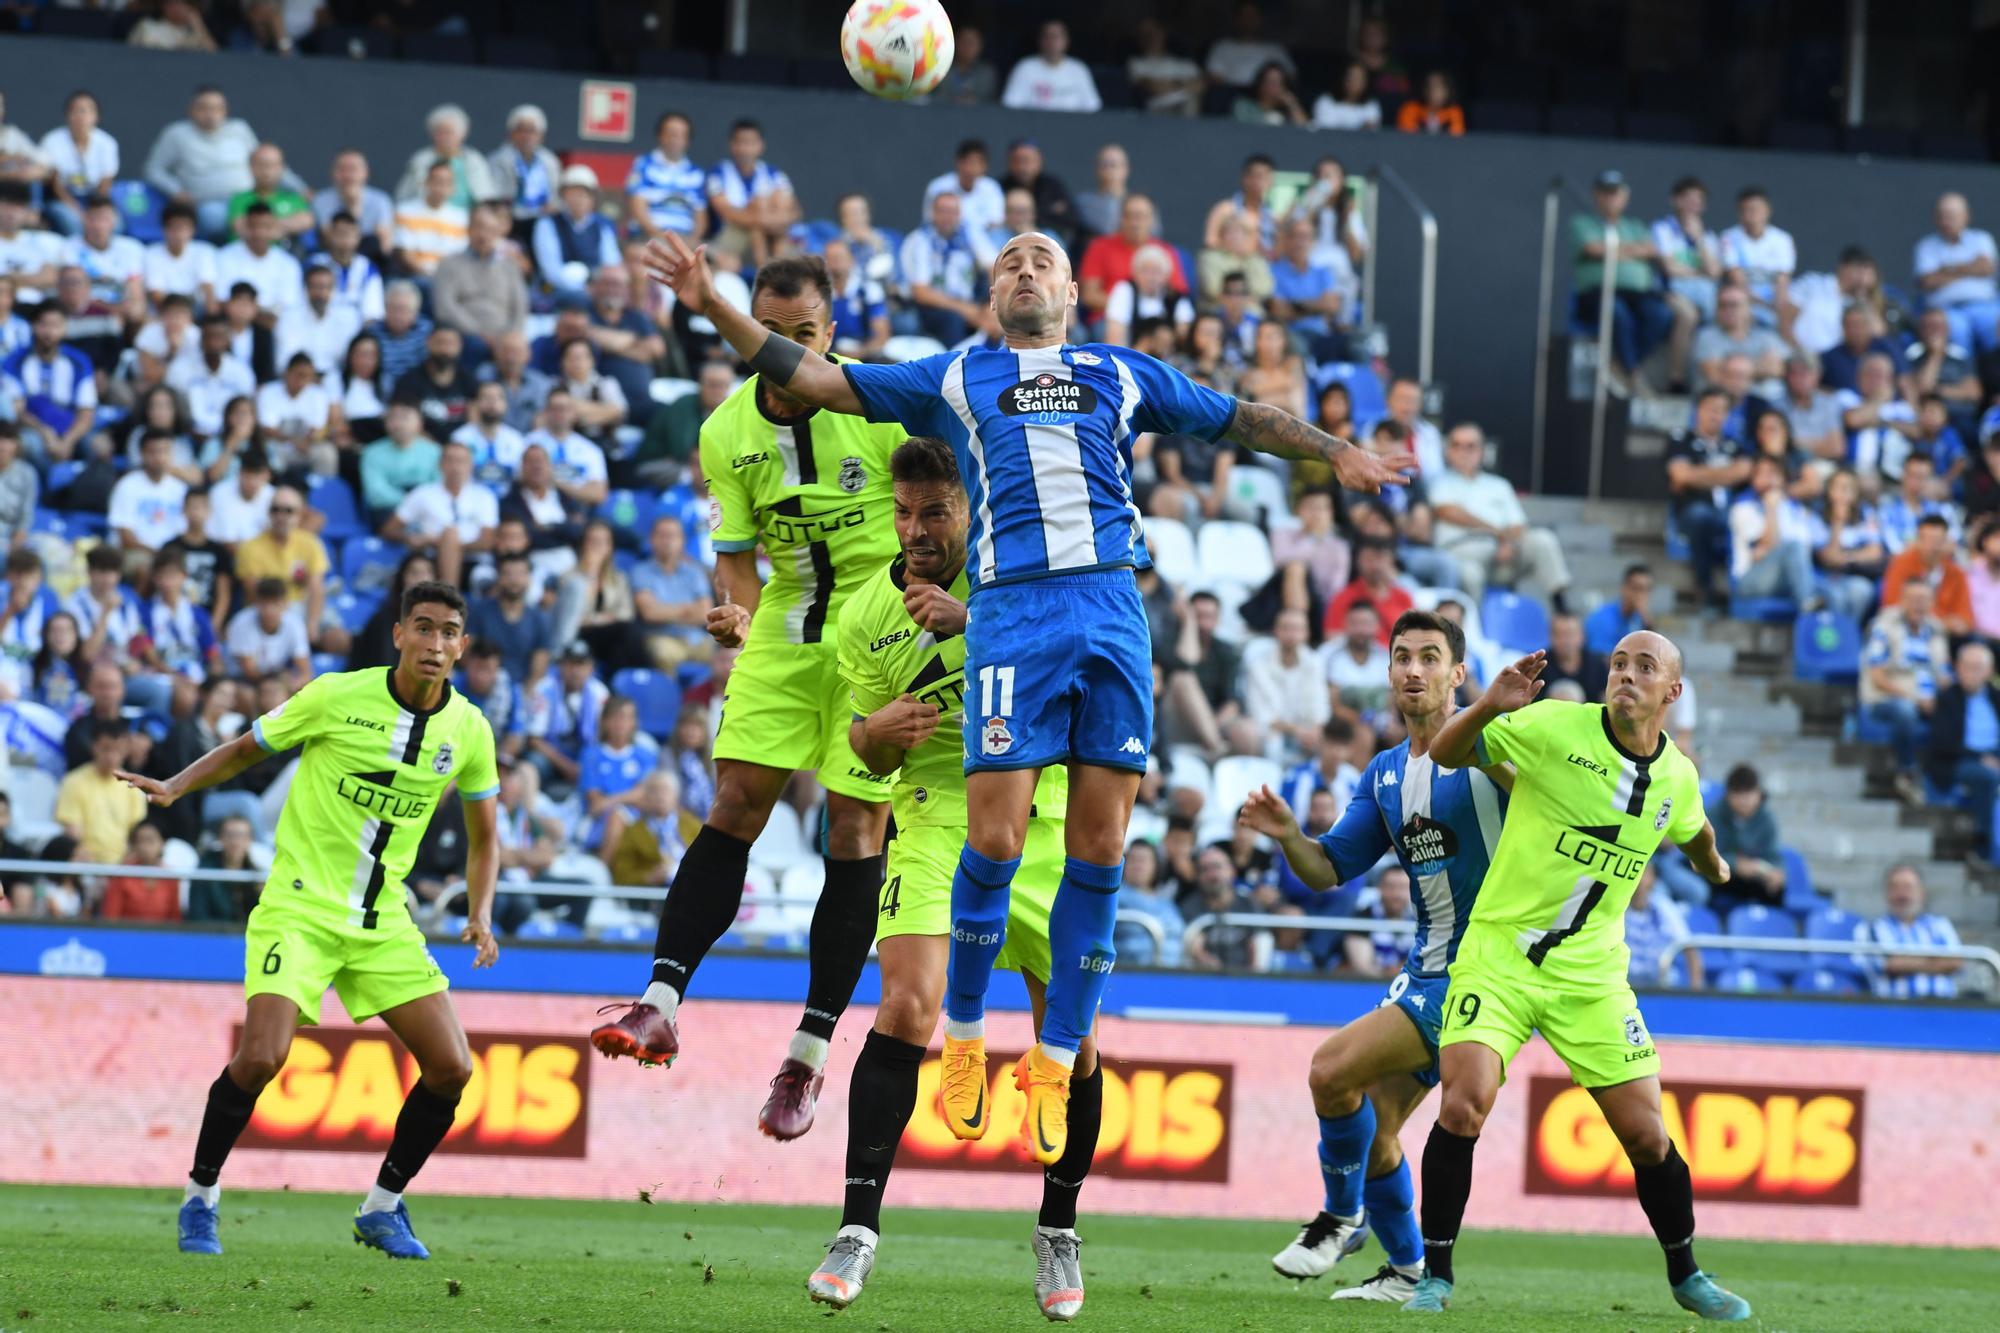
(884, 655)
(1584, 818)
(372, 771)
(814, 491)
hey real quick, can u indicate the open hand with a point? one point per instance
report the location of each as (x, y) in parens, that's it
(1517, 685)
(1265, 812)
(155, 791)
(934, 608)
(669, 262)
(478, 932)
(1359, 470)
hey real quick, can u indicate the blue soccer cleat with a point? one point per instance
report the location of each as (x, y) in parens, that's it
(198, 1229)
(1700, 1294)
(1432, 1296)
(390, 1233)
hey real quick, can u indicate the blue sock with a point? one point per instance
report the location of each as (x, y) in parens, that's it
(1344, 1142)
(1080, 950)
(978, 929)
(1392, 1216)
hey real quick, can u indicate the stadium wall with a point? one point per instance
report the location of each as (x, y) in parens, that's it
(1785, 1139)
(1487, 190)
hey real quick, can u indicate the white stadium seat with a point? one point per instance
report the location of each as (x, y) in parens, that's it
(31, 795)
(666, 390)
(1186, 768)
(1259, 487)
(911, 347)
(1230, 595)
(1239, 552)
(1171, 545)
(782, 844)
(1237, 775)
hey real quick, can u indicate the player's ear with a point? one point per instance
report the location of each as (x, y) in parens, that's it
(1457, 674)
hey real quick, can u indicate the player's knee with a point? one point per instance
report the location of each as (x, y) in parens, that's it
(1464, 1110)
(448, 1076)
(738, 813)
(252, 1069)
(1333, 1083)
(996, 842)
(907, 1016)
(854, 829)
(1646, 1145)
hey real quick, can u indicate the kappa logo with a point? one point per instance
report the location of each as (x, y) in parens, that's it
(1132, 745)
(1666, 813)
(1388, 779)
(441, 761)
(1416, 1002)
(852, 476)
(994, 738)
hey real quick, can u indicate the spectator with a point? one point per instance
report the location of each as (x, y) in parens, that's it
(751, 201)
(1354, 107)
(1217, 947)
(1202, 673)
(1055, 212)
(495, 446)
(1903, 666)
(1734, 334)
(1935, 363)
(1964, 753)
(1480, 522)
(430, 224)
(1235, 256)
(1311, 555)
(267, 636)
(375, 643)
(472, 179)
(357, 282)
(1284, 684)
(1107, 260)
(1051, 79)
(1570, 658)
(577, 240)
(1436, 112)
(1379, 953)
(104, 684)
(295, 413)
(1145, 895)
(1814, 413)
(690, 759)
(575, 466)
(860, 308)
(1940, 443)
(178, 26)
(1335, 212)
(287, 554)
(142, 898)
(401, 460)
(147, 504)
(1628, 613)
(1099, 208)
(1374, 583)
(29, 257)
(1234, 61)
(1955, 269)
(1879, 423)
(210, 569)
(563, 713)
(58, 388)
(628, 344)
(1168, 84)
(21, 162)
(1771, 540)
(942, 271)
(203, 161)
(82, 163)
(18, 488)
(874, 253)
(1928, 560)
(1641, 319)
(1982, 580)
(1405, 402)
(611, 767)
(240, 504)
(526, 387)
(982, 201)
(1330, 769)
(971, 80)
(1276, 373)
(649, 847)
(1848, 549)
(1208, 354)
(440, 388)
(1690, 259)
(240, 434)
(489, 688)
(1655, 924)
(598, 401)
(479, 290)
(1307, 294)
(270, 185)
(29, 605)
(94, 806)
(1819, 299)
(261, 262)
(95, 327)
(1760, 256)
(369, 210)
(1860, 338)
(108, 613)
(1357, 663)
(178, 264)
(225, 900)
(449, 518)
(318, 328)
(1746, 836)
(672, 596)
(1903, 976)
(182, 636)
(1914, 498)
(594, 604)
(1269, 99)
(525, 171)
(1704, 467)
(402, 333)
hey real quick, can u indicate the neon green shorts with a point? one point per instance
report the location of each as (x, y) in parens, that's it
(785, 706)
(916, 891)
(298, 954)
(1498, 998)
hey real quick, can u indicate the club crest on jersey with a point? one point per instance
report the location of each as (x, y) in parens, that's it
(852, 476)
(994, 738)
(1045, 395)
(1086, 358)
(1666, 813)
(441, 761)
(1635, 1031)
(714, 515)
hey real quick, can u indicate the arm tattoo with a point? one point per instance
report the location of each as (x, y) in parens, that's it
(778, 359)
(1274, 431)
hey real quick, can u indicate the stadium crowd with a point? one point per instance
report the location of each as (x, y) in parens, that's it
(228, 443)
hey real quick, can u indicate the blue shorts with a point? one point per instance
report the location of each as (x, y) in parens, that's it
(1059, 669)
(1421, 999)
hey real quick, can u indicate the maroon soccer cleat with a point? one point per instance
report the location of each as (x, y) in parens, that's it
(642, 1032)
(794, 1097)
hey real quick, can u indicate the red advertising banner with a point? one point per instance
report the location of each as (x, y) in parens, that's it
(1213, 1120)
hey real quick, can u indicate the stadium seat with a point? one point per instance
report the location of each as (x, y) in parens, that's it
(1230, 597)
(1495, 117)
(693, 675)
(626, 932)
(1171, 546)
(782, 844)
(1750, 980)
(667, 390)
(628, 511)
(1834, 925)
(31, 797)
(657, 695)
(1801, 898)
(1827, 981)
(1756, 921)
(1236, 551)
(1263, 490)
(1514, 622)
(322, 663)
(369, 563)
(352, 609)
(1826, 648)
(139, 206)
(544, 928)
(1761, 610)
(1186, 768)
(1237, 775)
(911, 347)
(1367, 399)
(1702, 921)
(334, 498)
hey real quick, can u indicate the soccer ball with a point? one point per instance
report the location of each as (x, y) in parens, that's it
(897, 48)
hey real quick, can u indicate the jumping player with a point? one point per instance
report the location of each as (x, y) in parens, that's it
(902, 651)
(381, 747)
(1596, 787)
(1442, 824)
(812, 489)
(1057, 650)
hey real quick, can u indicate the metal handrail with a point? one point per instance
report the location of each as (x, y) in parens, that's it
(1545, 336)
(1971, 953)
(1427, 224)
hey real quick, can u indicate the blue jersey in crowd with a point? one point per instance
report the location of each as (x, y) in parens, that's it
(1443, 825)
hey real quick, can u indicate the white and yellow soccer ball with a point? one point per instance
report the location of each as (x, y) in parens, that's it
(897, 48)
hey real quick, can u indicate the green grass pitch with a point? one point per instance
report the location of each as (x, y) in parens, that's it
(105, 1259)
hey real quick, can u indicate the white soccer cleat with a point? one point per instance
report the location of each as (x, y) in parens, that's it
(1058, 1274)
(1390, 1285)
(849, 1260)
(1320, 1244)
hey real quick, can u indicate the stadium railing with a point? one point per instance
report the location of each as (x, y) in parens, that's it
(1552, 204)
(1970, 953)
(1427, 226)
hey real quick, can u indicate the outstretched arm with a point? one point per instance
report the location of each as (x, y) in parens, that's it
(213, 769)
(1457, 743)
(809, 378)
(1272, 430)
(1701, 854)
(1265, 812)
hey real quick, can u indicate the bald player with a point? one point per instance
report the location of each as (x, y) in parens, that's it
(1058, 660)
(1596, 787)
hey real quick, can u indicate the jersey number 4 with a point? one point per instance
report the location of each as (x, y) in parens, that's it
(996, 680)
(892, 897)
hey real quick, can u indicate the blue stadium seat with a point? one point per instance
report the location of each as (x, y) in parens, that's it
(1801, 898)
(531, 929)
(352, 609)
(626, 561)
(1367, 399)
(1763, 610)
(628, 933)
(815, 233)
(1830, 923)
(1513, 621)
(139, 206)
(368, 563)
(1826, 648)
(1703, 921)
(334, 498)
(1827, 981)
(1756, 921)
(1749, 980)
(1871, 732)
(657, 695)
(1677, 542)
(693, 675)
(322, 663)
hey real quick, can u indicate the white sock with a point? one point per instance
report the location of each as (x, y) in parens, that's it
(808, 1050)
(1349, 1219)
(1067, 1059)
(973, 1031)
(1056, 1231)
(663, 998)
(380, 1200)
(854, 1229)
(1411, 1271)
(208, 1194)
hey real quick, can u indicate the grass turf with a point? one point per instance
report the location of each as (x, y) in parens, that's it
(105, 1259)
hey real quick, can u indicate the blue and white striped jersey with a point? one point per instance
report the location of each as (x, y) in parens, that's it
(1443, 824)
(1044, 443)
(1928, 931)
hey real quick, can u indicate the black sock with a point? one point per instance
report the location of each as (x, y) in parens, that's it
(228, 1111)
(701, 904)
(842, 929)
(1063, 1181)
(1447, 1185)
(1666, 1192)
(420, 1127)
(880, 1097)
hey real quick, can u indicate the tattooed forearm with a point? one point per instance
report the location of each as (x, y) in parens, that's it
(1274, 431)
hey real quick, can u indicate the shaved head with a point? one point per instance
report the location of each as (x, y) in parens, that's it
(1034, 238)
(1033, 289)
(1644, 681)
(1655, 645)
